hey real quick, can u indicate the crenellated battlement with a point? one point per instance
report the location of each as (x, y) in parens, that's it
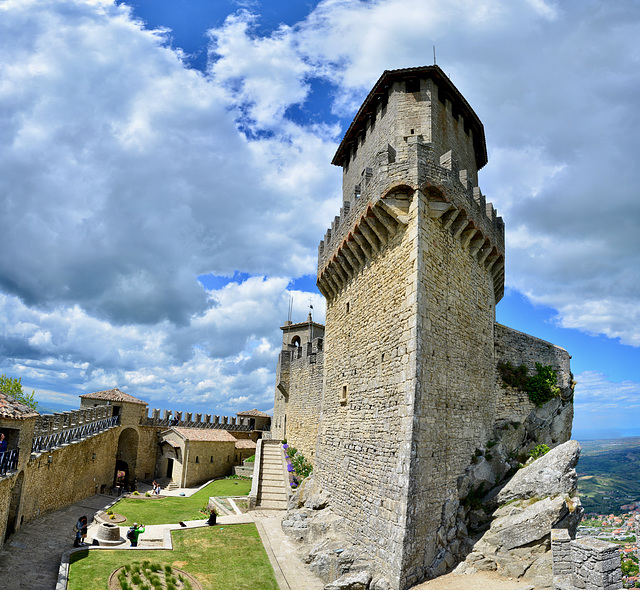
(51, 423)
(169, 418)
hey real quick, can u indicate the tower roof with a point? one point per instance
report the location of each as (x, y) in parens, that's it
(113, 395)
(446, 90)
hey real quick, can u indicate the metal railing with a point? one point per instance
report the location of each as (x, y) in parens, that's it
(51, 441)
(8, 460)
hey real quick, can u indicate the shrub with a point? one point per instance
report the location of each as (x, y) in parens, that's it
(251, 459)
(540, 387)
(136, 493)
(539, 451)
(147, 494)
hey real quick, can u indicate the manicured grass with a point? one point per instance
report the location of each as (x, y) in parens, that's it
(173, 509)
(220, 557)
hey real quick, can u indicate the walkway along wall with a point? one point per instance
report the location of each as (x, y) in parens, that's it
(66, 457)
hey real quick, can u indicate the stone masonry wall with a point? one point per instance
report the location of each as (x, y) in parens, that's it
(365, 425)
(513, 405)
(147, 452)
(215, 459)
(295, 415)
(71, 475)
(454, 409)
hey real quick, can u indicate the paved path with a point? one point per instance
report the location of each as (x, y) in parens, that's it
(31, 559)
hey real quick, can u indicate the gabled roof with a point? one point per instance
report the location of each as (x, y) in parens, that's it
(204, 434)
(245, 443)
(254, 412)
(446, 90)
(10, 407)
(113, 395)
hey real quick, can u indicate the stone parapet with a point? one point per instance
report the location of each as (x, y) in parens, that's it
(52, 423)
(584, 564)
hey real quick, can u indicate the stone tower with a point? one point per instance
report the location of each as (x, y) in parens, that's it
(411, 269)
(297, 400)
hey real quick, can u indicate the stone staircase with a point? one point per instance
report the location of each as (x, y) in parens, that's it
(272, 487)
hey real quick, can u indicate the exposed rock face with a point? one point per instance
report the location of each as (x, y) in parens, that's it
(551, 475)
(539, 497)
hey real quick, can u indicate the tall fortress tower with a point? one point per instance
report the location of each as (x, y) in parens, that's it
(411, 270)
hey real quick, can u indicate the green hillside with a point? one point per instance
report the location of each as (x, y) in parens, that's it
(609, 474)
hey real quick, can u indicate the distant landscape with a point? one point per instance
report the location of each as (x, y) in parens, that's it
(609, 474)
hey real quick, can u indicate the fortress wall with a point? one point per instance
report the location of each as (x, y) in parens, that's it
(519, 348)
(302, 404)
(6, 485)
(365, 425)
(72, 474)
(454, 409)
(283, 378)
(147, 452)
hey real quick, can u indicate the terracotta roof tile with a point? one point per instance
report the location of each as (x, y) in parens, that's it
(245, 443)
(114, 395)
(10, 407)
(253, 412)
(205, 434)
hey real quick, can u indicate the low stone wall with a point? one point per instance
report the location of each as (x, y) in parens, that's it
(584, 564)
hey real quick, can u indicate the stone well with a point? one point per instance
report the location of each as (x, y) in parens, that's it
(109, 534)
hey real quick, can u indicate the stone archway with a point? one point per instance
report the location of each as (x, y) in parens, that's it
(14, 506)
(127, 456)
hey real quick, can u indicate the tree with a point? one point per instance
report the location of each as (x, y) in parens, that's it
(13, 387)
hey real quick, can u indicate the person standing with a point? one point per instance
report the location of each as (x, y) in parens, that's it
(3, 443)
(134, 533)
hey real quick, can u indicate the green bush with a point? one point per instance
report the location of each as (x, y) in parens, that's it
(540, 387)
(539, 451)
(251, 459)
(301, 465)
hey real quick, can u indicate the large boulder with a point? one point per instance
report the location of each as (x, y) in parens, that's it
(539, 497)
(551, 475)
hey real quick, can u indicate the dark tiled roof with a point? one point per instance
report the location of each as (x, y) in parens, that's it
(253, 412)
(10, 407)
(205, 434)
(113, 395)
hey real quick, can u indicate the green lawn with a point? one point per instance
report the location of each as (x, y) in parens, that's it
(173, 509)
(219, 557)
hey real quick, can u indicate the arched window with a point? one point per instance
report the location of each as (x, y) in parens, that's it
(197, 460)
(296, 341)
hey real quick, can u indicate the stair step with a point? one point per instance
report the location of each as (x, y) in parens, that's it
(273, 504)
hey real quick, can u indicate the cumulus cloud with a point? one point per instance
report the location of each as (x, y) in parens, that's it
(125, 175)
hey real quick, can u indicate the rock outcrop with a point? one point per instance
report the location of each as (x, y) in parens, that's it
(539, 497)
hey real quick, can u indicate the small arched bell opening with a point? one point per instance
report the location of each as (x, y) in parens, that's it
(295, 341)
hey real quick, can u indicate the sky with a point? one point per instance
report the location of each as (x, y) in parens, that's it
(165, 180)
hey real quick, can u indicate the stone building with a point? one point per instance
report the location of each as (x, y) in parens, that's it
(191, 456)
(53, 460)
(401, 392)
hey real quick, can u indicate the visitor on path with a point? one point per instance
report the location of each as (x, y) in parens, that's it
(133, 534)
(81, 531)
(3, 443)
(156, 488)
